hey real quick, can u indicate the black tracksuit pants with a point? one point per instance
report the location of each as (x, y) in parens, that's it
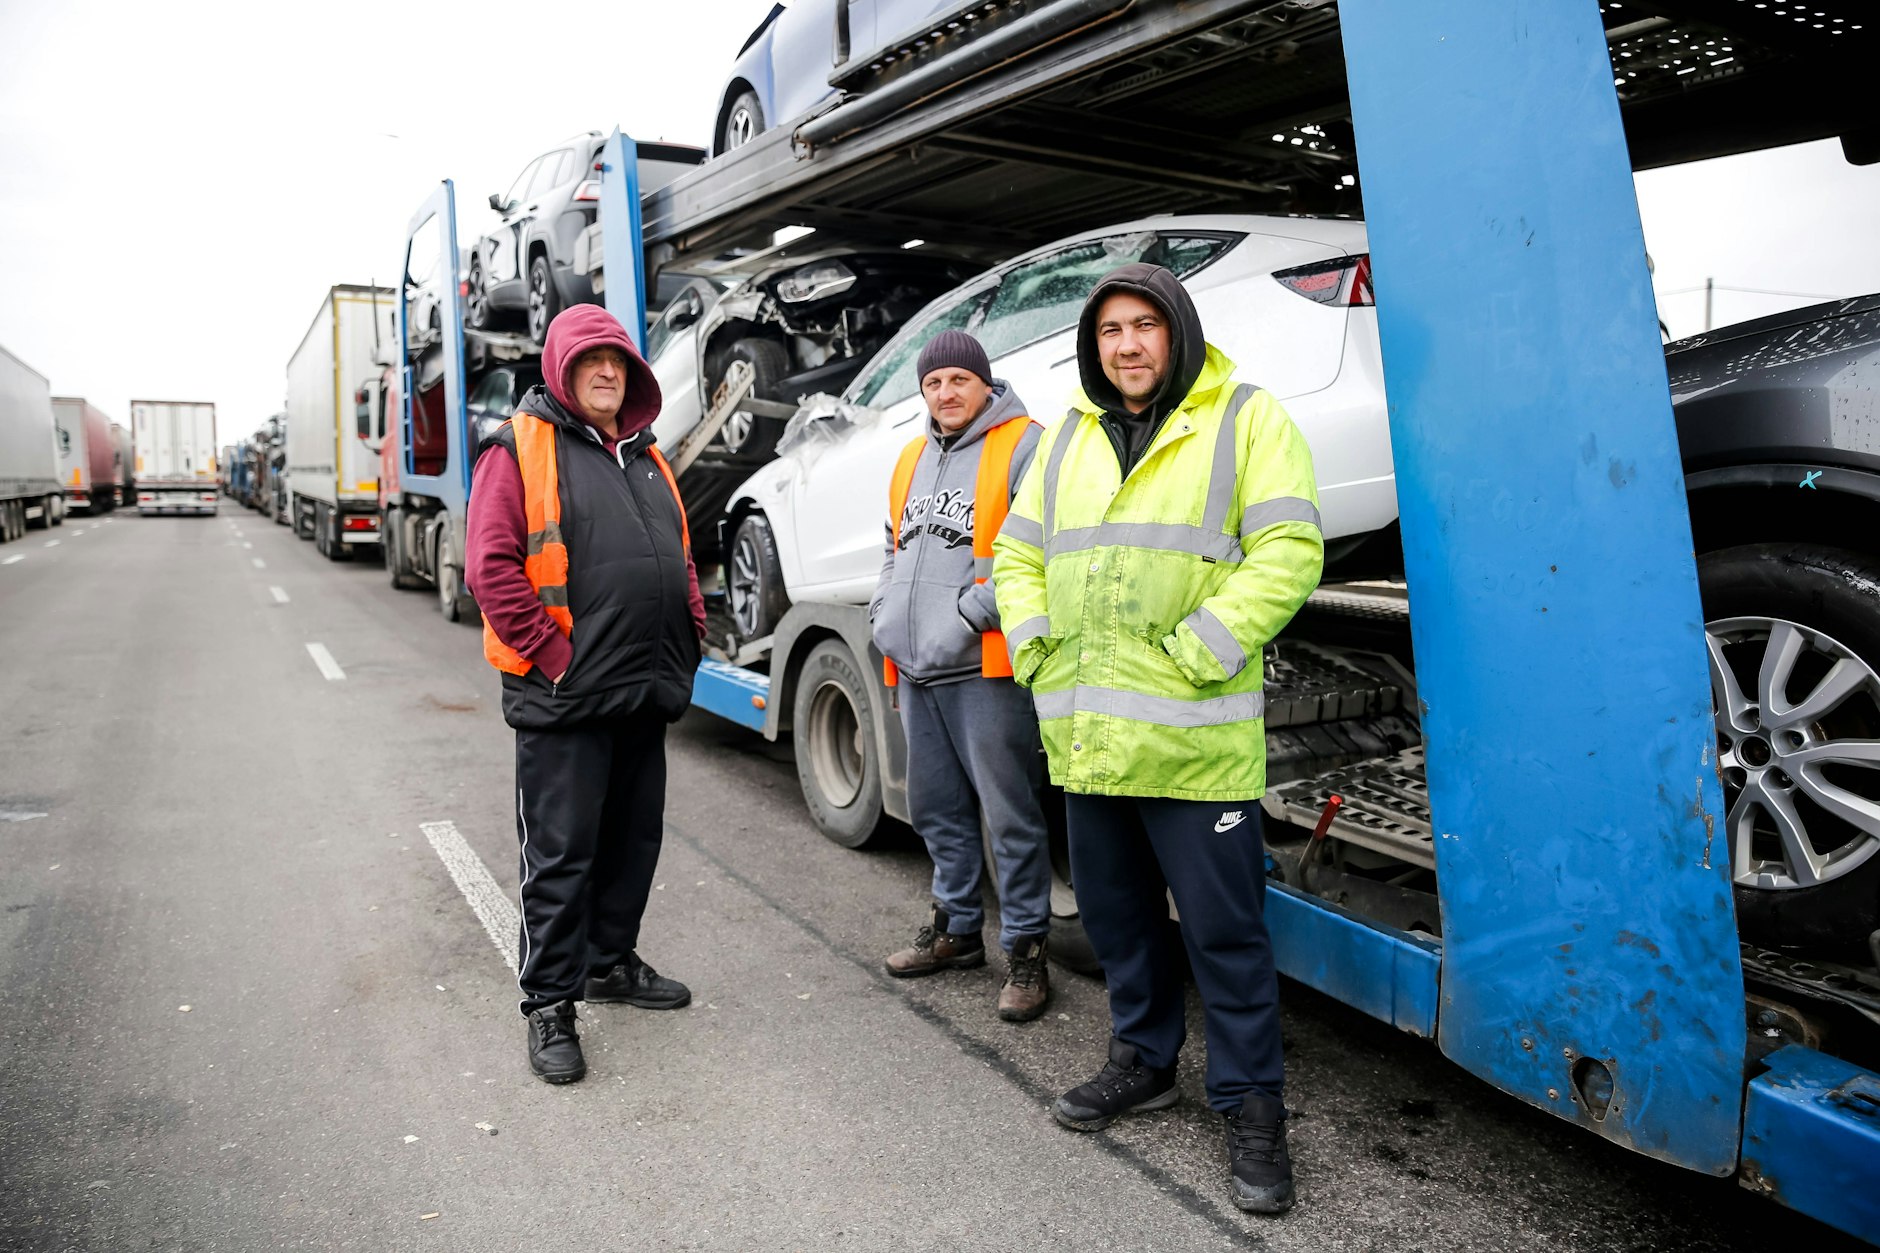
(1127, 855)
(590, 810)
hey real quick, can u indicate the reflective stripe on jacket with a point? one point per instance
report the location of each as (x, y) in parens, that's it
(1136, 608)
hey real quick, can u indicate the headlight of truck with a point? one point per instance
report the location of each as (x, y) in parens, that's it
(814, 281)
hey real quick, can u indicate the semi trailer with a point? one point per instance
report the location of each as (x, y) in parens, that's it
(332, 476)
(29, 451)
(173, 443)
(87, 456)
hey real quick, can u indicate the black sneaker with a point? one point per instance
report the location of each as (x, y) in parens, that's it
(554, 1048)
(633, 982)
(1256, 1153)
(1123, 1086)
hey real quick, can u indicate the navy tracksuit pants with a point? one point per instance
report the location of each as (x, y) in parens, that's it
(590, 813)
(1127, 854)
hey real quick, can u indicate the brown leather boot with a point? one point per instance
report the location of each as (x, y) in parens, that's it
(934, 950)
(1027, 983)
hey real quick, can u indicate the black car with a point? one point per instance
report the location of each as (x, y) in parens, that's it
(526, 268)
(1779, 428)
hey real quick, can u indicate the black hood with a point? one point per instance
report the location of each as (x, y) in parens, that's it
(1188, 347)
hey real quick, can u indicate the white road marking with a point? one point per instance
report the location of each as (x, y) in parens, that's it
(279, 594)
(495, 910)
(324, 660)
(20, 815)
(15, 557)
(260, 564)
(247, 544)
(52, 543)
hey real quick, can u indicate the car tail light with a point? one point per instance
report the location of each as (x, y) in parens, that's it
(590, 190)
(1342, 281)
(362, 524)
(142, 497)
(205, 495)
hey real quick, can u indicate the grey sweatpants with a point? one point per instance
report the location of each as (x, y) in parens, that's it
(974, 744)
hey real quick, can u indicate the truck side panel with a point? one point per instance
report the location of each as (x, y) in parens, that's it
(29, 451)
(312, 422)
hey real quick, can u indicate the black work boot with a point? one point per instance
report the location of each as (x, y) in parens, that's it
(1027, 984)
(935, 950)
(1257, 1156)
(1123, 1086)
(633, 982)
(554, 1048)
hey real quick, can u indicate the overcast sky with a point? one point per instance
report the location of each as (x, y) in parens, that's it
(180, 182)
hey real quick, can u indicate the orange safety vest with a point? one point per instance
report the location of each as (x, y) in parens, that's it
(546, 562)
(991, 502)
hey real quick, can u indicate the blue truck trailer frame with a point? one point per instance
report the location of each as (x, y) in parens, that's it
(1499, 194)
(1545, 532)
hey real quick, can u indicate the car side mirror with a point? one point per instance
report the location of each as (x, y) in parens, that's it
(496, 201)
(682, 318)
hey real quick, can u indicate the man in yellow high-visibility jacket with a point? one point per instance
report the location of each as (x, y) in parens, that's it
(1166, 531)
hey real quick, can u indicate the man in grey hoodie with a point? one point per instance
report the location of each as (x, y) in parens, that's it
(972, 737)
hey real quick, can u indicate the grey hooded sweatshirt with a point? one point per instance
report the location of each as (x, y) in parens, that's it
(929, 615)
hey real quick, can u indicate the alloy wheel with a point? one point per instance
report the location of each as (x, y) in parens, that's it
(538, 304)
(746, 583)
(740, 128)
(1798, 739)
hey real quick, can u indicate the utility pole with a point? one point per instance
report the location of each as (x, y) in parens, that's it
(1710, 288)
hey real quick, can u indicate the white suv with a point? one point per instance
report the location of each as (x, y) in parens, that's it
(1288, 299)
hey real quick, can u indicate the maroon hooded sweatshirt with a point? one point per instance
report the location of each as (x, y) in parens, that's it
(498, 522)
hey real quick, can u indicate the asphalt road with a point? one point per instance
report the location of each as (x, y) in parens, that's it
(245, 1005)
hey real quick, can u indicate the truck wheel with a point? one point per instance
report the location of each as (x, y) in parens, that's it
(55, 509)
(544, 300)
(1794, 640)
(479, 313)
(452, 601)
(43, 522)
(397, 560)
(744, 121)
(745, 432)
(837, 763)
(303, 518)
(1070, 946)
(755, 588)
(336, 549)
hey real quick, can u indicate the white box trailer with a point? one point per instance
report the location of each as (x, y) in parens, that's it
(332, 474)
(173, 448)
(87, 457)
(29, 451)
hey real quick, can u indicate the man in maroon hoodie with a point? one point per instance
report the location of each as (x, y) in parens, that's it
(579, 556)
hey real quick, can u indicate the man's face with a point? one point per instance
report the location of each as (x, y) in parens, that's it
(954, 396)
(1133, 344)
(600, 381)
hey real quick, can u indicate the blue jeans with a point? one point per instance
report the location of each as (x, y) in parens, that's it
(1127, 855)
(974, 745)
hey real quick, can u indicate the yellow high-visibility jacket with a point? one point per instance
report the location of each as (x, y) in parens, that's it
(1136, 609)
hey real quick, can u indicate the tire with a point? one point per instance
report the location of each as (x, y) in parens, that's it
(336, 549)
(302, 520)
(544, 300)
(837, 761)
(743, 432)
(478, 312)
(397, 562)
(452, 601)
(754, 579)
(1070, 945)
(744, 121)
(319, 530)
(42, 523)
(1817, 610)
(55, 509)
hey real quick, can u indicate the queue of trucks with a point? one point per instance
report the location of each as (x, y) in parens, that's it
(59, 454)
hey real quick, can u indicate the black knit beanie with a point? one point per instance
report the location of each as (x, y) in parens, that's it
(954, 348)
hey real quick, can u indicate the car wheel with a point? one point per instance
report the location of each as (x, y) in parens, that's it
(836, 759)
(1794, 640)
(544, 300)
(1070, 945)
(744, 121)
(479, 312)
(744, 432)
(755, 587)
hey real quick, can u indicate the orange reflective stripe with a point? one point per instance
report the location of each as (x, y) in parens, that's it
(685, 528)
(991, 502)
(545, 559)
(901, 485)
(898, 488)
